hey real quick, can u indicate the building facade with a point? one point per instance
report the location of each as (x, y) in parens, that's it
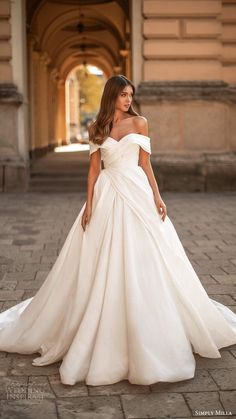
(180, 54)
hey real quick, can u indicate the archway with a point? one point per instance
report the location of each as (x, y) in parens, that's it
(63, 35)
(84, 85)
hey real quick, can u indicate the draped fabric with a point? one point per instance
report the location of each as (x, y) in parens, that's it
(122, 300)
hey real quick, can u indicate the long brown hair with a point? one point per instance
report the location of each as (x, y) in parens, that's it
(101, 127)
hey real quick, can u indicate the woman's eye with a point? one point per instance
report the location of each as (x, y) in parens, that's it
(124, 94)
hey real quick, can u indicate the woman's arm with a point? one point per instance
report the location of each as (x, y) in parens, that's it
(93, 173)
(145, 163)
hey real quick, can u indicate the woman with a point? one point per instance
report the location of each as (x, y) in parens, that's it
(117, 118)
(122, 300)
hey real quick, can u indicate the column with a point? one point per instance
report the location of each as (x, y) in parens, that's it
(14, 165)
(61, 113)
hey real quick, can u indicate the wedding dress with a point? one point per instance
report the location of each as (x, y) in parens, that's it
(122, 300)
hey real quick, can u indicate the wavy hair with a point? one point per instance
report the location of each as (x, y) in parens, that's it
(100, 129)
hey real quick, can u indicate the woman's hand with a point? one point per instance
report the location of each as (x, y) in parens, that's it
(86, 216)
(161, 207)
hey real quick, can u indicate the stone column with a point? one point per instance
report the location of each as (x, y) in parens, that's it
(43, 95)
(61, 113)
(14, 163)
(52, 108)
(136, 41)
(33, 96)
(73, 128)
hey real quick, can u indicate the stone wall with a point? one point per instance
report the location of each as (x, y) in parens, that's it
(5, 36)
(187, 91)
(189, 40)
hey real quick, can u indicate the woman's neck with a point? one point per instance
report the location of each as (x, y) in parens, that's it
(118, 116)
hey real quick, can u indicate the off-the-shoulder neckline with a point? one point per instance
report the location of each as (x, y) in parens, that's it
(131, 133)
(122, 138)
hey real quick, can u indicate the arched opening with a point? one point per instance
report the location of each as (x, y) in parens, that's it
(67, 39)
(64, 37)
(84, 85)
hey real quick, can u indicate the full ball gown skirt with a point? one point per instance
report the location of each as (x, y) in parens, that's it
(122, 300)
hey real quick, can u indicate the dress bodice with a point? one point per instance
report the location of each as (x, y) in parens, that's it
(124, 152)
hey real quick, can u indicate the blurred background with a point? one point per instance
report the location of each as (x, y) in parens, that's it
(56, 55)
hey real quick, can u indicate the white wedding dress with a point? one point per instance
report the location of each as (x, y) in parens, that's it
(122, 300)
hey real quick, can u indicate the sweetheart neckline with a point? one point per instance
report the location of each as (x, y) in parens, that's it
(131, 133)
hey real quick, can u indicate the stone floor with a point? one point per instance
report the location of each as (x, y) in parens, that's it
(33, 228)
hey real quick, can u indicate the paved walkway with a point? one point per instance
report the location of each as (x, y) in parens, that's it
(33, 228)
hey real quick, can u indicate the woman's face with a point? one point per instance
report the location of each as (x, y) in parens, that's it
(124, 99)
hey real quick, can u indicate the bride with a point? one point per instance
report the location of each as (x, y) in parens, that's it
(122, 300)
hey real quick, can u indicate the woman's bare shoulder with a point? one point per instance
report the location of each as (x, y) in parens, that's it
(141, 124)
(139, 119)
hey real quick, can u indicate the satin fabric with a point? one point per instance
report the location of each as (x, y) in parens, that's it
(122, 300)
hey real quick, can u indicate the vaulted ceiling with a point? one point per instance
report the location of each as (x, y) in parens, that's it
(71, 32)
(33, 5)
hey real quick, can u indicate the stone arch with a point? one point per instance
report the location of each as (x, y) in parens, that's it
(69, 18)
(56, 46)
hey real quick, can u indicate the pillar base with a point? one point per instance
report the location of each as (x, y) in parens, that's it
(14, 177)
(205, 172)
(14, 170)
